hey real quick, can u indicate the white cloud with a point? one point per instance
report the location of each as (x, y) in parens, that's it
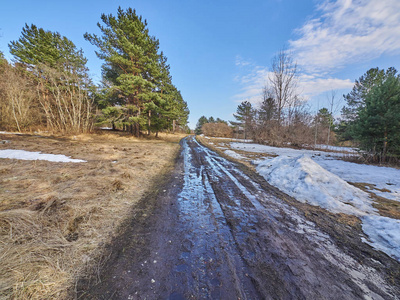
(348, 31)
(311, 86)
(308, 85)
(241, 62)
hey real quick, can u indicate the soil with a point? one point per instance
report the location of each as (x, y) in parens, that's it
(216, 230)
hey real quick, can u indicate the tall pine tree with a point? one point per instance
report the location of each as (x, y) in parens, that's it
(138, 75)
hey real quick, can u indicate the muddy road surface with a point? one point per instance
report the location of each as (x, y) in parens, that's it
(214, 231)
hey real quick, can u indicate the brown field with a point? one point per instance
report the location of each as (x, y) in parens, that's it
(55, 218)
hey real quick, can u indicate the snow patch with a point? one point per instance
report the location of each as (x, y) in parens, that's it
(28, 155)
(6, 132)
(383, 233)
(233, 154)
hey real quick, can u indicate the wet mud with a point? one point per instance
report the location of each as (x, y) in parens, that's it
(214, 231)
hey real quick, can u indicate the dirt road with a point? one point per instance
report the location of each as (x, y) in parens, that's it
(214, 231)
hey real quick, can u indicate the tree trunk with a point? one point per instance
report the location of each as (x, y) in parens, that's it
(149, 123)
(385, 142)
(173, 126)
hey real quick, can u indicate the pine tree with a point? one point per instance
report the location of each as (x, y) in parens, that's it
(244, 115)
(202, 120)
(37, 47)
(357, 97)
(377, 125)
(138, 73)
(268, 110)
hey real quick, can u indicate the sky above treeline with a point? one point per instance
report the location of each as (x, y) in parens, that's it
(220, 52)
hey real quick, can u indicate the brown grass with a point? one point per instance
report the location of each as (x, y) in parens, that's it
(55, 217)
(386, 207)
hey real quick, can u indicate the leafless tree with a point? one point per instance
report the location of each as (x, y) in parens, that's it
(283, 81)
(67, 104)
(333, 109)
(18, 104)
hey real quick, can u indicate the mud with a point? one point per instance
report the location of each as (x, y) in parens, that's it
(214, 230)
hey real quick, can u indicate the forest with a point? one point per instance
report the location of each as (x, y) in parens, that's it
(47, 85)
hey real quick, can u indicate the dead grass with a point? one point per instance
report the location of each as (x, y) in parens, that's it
(55, 217)
(386, 207)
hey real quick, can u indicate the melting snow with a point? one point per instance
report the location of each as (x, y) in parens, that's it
(322, 180)
(28, 155)
(233, 154)
(307, 181)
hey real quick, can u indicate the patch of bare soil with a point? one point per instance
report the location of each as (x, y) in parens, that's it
(55, 218)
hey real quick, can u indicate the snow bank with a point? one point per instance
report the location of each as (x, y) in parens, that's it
(307, 181)
(387, 179)
(27, 155)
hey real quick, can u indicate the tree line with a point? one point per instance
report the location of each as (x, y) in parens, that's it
(370, 119)
(47, 84)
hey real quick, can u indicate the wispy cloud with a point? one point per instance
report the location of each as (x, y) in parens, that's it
(309, 86)
(344, 32)
(242, 62)
(348, 32)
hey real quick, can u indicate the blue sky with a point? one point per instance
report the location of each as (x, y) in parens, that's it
(220, 51)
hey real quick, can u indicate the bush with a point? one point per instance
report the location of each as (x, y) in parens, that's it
(217, 130)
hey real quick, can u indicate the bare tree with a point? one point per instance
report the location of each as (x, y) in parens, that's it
(283, 81)
(66, 101)
(18, 105)
(333, 109)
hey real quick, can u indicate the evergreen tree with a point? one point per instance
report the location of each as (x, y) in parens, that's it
(137, 72)
(218, 120)
(377, 125)
(202, 120)
(324, 118)
(356, 98)
(37, 47)
(268, 110)
(244, 115)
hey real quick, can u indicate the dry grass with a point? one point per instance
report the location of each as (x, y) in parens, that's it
(55, 217)
(386, 207)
